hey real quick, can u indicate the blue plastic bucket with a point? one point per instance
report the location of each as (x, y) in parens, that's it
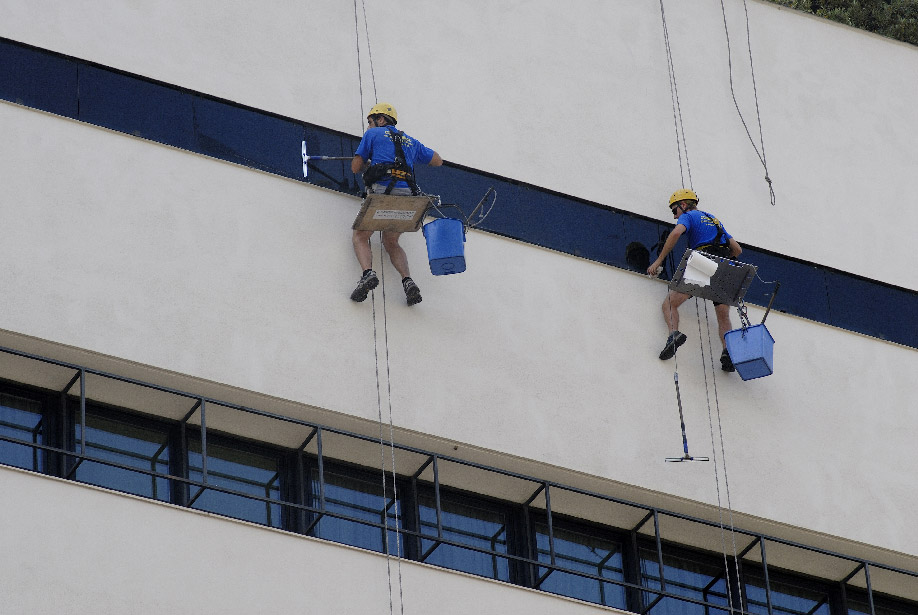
(751, 351)
(445, 250)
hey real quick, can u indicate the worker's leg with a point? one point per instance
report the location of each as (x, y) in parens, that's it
(368, 280)
(723, 321)
(724, 325)
(400, 262)
(671, 309)
(361, 241)
(396, 253)
(671, 317)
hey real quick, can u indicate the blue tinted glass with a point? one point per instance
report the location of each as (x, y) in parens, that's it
(583, 553)
(333, 174)
(248, 137)
(859, 605)
(465, 523)
(21, 419)
(128, 444)
(460, 191)
(238, 470)
(134, 106)
(872, 308)
(360, 500)
(38, 79)
(803, 286)
(700, 580)
(785, 599)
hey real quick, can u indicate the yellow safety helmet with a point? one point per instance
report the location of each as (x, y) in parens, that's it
(384, 109)
(682, 195)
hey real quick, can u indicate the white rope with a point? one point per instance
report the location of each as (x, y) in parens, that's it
(723, 455)
(677, 107)
(382, 448)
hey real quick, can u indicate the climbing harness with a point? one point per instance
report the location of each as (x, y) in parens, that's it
(761, 155)
(396, 171)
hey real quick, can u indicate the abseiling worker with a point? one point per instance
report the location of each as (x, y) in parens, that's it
(705, 234)
(386, 157)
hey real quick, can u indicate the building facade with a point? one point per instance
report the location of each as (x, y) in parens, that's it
(194, 416)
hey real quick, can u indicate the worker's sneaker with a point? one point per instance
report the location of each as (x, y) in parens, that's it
(726, 363)
(412, 292)
(367, 282)
(674, 340)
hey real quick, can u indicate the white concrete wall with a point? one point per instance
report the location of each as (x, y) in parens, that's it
(201, 267)
(77, 549)
(573, 97)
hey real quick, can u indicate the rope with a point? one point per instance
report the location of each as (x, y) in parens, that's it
(723, 454)
(761, 155)
(677, 107)
(382, 274)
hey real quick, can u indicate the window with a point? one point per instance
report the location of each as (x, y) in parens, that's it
(127, 441)
(786, 598)
(584, 551)
(470, 521)
(21, 419)
(692, 575)
(240, 467)
(357, 494)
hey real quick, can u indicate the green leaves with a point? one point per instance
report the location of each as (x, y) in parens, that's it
(896, 19)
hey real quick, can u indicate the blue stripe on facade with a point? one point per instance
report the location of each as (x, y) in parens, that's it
(222, 129)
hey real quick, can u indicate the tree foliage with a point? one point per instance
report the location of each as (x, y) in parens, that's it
(896, 19)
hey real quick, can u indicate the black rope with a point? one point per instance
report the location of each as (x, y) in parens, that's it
(761, 155)
(677, 107)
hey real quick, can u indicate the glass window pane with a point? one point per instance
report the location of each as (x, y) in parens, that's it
(21, 419)
(698, 577)
(786, 599)
(124, 441)
(584, 553)
(359, 498)
(135, 106)
(858, 605)
(241, 470)
(38, 79)
(469, 522)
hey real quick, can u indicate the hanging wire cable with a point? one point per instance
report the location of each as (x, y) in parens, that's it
(761, 155)
(382, 440)
(723, 454)
(677, 107)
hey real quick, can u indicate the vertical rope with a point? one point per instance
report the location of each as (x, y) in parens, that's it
(723, 456)
(761, 155)
(382, 439)
(677, 107)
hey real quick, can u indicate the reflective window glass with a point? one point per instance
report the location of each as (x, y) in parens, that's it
(470, 522)
(586, 553)
(237, 468)
(21, 419)
(859, 605)
(697, 577)
(248, 137)
(135, 106)
(333, 174)
(786, 599)
(358, 497)
(38, 79)
(127, 442)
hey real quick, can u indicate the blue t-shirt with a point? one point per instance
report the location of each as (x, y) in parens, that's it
(701, 228)
(378, 147)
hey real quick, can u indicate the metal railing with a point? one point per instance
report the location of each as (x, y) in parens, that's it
(432, 461)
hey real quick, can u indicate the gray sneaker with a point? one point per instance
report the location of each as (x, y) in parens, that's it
(368, 282)
(674, 340)
(412, 292)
